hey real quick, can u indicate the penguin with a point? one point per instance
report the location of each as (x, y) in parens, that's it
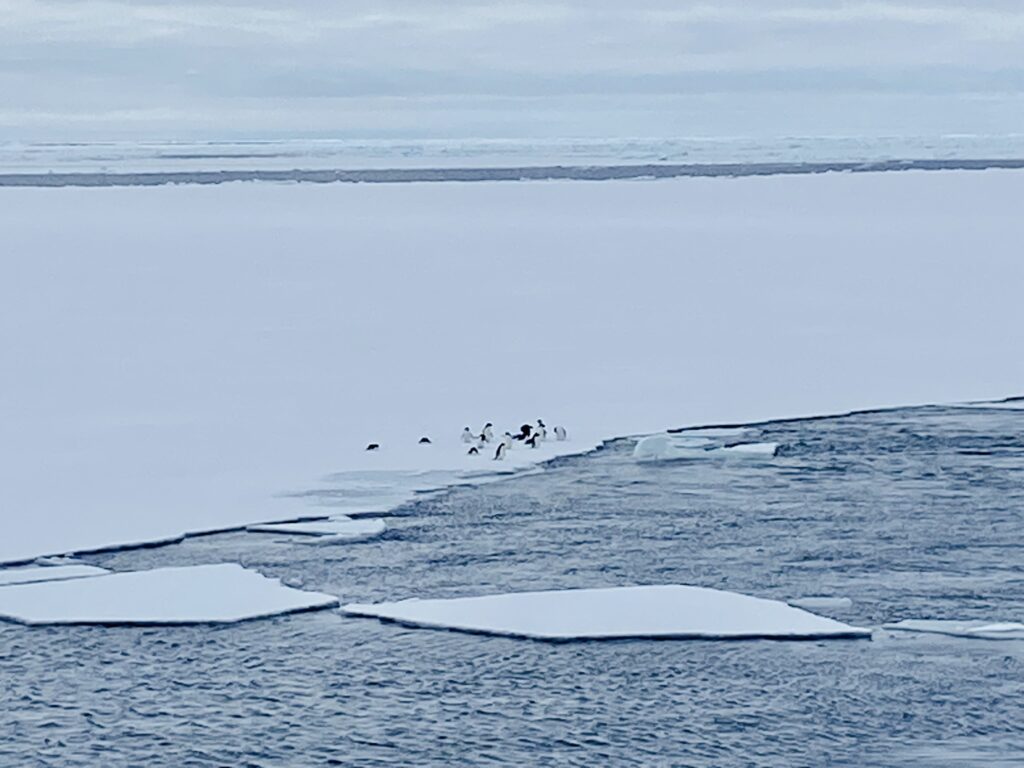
(372, 447)
(507, 440)
(499, 454)
(542, 430)
(487, 434)
(467, 435)
(524, 432)
(534, 441)
(560, 433)
(424, 441)
(473, 451)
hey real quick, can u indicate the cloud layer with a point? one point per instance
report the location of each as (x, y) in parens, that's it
(119, 67)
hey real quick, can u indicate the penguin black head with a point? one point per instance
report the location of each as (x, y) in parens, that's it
(541, 422)
(424, 441)
(488, 424)
(473, 451)
(372, 447)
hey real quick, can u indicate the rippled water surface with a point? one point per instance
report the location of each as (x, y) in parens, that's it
(911, 514)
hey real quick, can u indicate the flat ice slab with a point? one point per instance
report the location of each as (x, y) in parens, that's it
(750, 449)
(337, 529)
(216, 594)
(985, 630)
(670, 611)
(47, 573)
(822, 603)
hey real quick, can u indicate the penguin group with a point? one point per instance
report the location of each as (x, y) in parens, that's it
(529, 434)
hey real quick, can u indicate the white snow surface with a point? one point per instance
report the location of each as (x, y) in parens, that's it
(985, 630)
(669, 610)
(337, 529)
(222, 593)
(188, 358)
(47, 573)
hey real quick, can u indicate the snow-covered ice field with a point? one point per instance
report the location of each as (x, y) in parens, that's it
(185, 359)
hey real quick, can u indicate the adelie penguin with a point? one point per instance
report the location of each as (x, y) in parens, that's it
(500, 452)
(488, 433)
(560, 433)
(541, 429)
(524, 432)
(473, 451)
(534, 440)
(468, 436)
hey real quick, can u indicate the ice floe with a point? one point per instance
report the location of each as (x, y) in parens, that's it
(233, 448)
(32, 574)
(985, 630)
(220, 594)
(763, 450)
(822, 603)
(670, 611)
(336, 529)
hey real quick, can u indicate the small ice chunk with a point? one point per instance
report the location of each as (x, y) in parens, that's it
(48, 573)
(971, 629)
(674, 611)
(822, 603)
(666, 448)
(338, 529)
(750, 449)
(200, 594)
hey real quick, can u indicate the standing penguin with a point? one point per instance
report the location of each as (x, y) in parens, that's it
(534, 440)
(499, 454)
(488, 432)
(467, 435)
(541, 429)
(560, 433)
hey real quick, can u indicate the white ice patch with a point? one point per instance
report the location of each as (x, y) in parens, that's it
(668, 448)
(220, 594)
(671, 611)
(337, 529)
(822, 603)
(763, 450)
(49, 573)
(985, 630)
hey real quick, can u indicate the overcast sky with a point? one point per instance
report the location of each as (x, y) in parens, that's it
(231, 68)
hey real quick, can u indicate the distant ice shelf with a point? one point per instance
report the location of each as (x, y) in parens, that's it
(663, 611)
(223, 593)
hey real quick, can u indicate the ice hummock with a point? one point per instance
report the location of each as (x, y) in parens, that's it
(31, 574)
(337, 529)
(985, 630)
(223, 593)
(666, 611)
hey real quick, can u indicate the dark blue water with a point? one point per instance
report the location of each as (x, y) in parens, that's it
(911, 514)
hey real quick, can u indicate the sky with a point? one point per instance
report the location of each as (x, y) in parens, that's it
(424, 68)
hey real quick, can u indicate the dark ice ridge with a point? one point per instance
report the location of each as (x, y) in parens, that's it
(525, 173)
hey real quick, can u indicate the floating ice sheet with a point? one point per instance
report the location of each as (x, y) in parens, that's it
(671, 611)
(220, 594)
(337, 529)
(764, 450)
(47, 573)
(985, 630)
(822, 603)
